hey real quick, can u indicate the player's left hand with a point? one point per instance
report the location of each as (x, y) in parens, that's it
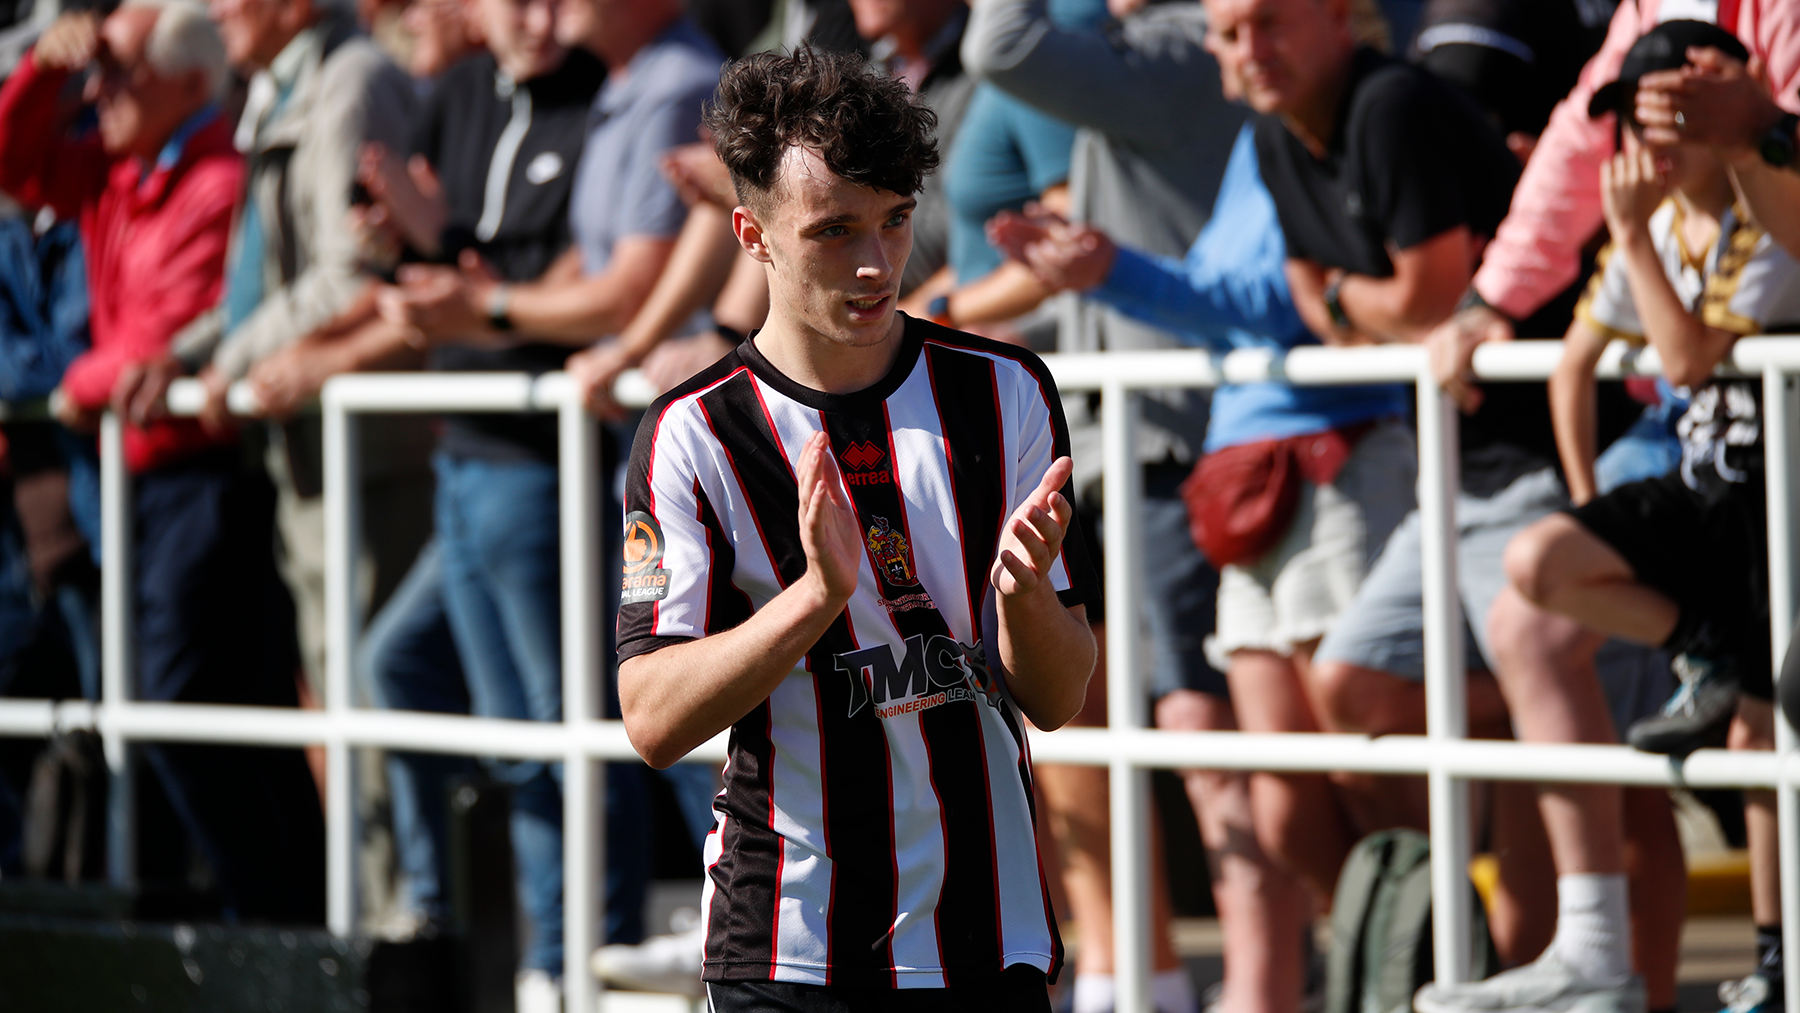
(1034, 534)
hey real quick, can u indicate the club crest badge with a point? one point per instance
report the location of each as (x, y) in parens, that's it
(644, 578)
(893, 556)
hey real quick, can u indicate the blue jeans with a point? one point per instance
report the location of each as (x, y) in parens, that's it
(497, 527)
(1648, 449)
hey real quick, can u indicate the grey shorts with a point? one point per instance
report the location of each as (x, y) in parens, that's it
(1383, 628)
(1296, 590)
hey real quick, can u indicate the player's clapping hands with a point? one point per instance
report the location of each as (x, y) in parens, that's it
(1034, 535)
(829, 530)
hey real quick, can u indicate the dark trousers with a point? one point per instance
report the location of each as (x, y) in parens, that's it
(216, 625)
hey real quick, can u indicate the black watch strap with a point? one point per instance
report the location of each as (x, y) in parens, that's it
(1334, 304)
(1777, 147)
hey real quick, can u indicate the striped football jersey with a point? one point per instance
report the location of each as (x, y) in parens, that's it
(876, 827)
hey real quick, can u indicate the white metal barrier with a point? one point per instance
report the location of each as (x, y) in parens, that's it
(1126, 747)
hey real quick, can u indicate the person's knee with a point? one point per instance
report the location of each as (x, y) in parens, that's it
(1527, 561)
(1189, 710)
(1358, 700)
(1753, 728)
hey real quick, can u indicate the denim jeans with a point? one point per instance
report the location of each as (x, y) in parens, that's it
(1648, 449)
(498, 536)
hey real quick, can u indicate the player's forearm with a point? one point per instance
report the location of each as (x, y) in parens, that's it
(1047, 654)
(676, 698)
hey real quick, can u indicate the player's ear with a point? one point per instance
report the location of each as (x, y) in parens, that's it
(749, 231)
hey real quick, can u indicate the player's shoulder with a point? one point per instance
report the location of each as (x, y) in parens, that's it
(1017, 361)
(679, 405)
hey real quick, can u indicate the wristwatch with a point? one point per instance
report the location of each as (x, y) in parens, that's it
(497, 317)
(1777, 146)
(1334, 305)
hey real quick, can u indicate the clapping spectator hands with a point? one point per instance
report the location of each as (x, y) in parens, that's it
(1714, 100)
(407, 197)
(696, 173)
(441, 304)
(595, 369)
(1063, 255)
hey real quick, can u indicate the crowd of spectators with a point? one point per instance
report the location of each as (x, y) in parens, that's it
(280, 191)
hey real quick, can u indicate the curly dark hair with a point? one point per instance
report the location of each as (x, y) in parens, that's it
(865, 124)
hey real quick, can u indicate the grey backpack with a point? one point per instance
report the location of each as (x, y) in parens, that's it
(1381, 927)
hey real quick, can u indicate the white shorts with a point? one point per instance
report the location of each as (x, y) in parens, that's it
(1297, 589)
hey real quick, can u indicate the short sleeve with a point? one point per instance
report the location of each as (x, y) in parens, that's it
(1607, 305)
(1413, 179)
(1755, 288)
(1042, 438)
(648, 205)
(668, 554)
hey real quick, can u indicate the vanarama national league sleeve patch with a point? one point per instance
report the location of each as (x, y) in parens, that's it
(644, 578)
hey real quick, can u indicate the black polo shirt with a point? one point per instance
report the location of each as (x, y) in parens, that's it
(1410, 158)
(521, 227)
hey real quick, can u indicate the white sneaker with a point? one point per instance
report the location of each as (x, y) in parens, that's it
(535, 991)
(1547, 985)
(668, 963)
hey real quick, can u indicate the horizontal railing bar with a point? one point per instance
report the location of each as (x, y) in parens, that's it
(469, 736)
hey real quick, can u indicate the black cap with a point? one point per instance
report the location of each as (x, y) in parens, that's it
(1661, 48)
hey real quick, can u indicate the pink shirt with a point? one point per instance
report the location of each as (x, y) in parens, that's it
(1537, 252)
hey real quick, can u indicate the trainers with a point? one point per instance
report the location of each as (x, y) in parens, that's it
(668, 963)
(1754, 994)
(1697, 716)
(1546, 985)
(534, 991)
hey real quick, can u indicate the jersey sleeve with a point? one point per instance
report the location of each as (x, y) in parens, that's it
(668, 549)
(1042, 438)
(1755, 289)
(1607, 305)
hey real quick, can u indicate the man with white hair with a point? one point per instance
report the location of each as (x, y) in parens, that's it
(153, 190)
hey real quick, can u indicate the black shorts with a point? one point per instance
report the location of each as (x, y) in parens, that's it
(1021, 988)
(1707, 551)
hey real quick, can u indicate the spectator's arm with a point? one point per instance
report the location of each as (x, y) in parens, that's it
(1536, 253)
(1429, 278)
(362, 99)
(1081, 77)
(577, 311)
(1572, 407)
(189, 275)
(1189, 298)
(39, 165)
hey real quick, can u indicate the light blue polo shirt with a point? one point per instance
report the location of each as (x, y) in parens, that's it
(1231, 291)
(653, 105)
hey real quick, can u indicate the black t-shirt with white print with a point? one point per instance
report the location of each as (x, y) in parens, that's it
(876, 828)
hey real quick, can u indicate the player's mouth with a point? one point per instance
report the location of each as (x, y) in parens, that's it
(869, 308)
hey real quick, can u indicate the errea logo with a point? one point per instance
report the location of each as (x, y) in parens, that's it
(864, 464)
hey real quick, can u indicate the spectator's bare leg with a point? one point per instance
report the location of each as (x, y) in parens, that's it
(1563, 567)
(1658, 881)
(1522, 917)
(1299, 821)
(1754, 729)
(1076, 801)
(1263, 909)
(1362, 701)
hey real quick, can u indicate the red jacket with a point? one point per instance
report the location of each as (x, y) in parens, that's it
(155, 243)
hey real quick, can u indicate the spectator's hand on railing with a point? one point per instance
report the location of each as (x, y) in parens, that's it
(407, 195)
(78, 419)
(671, 362)
(1714, 100)
(1064, 256)
(69, 44)
(595, 370)
(287, 381)
(1450, 348)
(696, 173)
(215, 414)
(140, 392)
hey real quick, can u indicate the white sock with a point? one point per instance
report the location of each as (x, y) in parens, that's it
(1593, 926)
(1172, 991)
(1093, 993)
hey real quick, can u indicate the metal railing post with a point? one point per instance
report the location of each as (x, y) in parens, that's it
(584, 779)
(117, 610)
(1779, 416)
(1129, 784)
(342, 492)
(1446, 707)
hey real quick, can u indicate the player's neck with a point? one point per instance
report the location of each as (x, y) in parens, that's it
(830, 366)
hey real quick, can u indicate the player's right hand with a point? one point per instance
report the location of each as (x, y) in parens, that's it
(829, 531)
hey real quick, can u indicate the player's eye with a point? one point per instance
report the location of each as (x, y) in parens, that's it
(835, 230)
(898, 220)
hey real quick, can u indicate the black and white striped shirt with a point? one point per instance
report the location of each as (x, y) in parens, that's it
(876, 826)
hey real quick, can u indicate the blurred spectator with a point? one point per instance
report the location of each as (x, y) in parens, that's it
(440, 37)
(1150, 148)
(732, 24)
(491, 594)
(154, 192)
